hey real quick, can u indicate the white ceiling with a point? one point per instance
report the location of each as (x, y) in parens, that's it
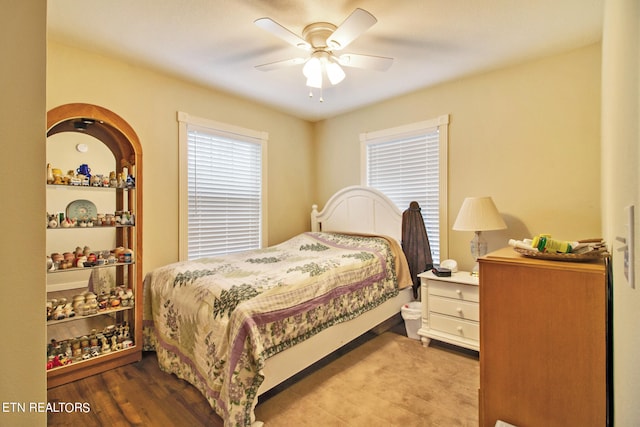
(216, 43)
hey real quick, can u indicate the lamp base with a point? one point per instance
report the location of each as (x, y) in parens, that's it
(478, 248)
(476, 270)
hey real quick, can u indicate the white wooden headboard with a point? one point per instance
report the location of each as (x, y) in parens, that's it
(358, 209)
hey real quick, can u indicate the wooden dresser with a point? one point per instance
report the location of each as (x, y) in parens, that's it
(544, 342)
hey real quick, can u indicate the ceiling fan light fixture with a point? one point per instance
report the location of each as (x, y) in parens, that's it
(335, 73)
(312, 70)
(315, 81)
(312, 67)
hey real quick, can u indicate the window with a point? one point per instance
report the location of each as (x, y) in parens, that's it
(222, 186)
(408, 163)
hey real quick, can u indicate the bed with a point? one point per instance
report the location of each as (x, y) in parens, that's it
(237, 326)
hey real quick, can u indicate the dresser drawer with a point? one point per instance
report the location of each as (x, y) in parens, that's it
(456, 308)
(455, 326)
(454, 290)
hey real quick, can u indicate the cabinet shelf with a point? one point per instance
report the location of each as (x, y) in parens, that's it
(94, 227)
(93, 359)
(99, 313)
(87, 187)
(67, 270)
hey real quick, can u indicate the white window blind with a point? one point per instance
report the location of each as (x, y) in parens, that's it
(224, 188)
(406, 164)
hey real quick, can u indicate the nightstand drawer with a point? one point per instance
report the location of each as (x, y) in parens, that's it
(454, 290)
(456, 308)
(455, 326)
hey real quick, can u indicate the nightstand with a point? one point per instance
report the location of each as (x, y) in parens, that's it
(450, 309)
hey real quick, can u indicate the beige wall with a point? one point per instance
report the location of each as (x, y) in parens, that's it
(528, 135)
(22, 130)
(149, 102)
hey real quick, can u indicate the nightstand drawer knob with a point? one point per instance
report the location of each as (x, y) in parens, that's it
(460, 329)
(458, 291)
(459, 310)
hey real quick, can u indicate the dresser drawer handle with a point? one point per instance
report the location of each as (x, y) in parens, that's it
(459, 329)
(458, 291)
(459, 310)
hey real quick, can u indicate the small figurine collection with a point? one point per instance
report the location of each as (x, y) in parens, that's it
(82, 177)
(82, 213)
(88, 303)
(60, 220)
(112, 338)
(86, 258)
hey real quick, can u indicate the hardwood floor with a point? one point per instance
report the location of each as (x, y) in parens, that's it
(142, 395)
(134, 395)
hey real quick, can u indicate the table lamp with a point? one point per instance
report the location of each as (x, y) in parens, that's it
(478, 214)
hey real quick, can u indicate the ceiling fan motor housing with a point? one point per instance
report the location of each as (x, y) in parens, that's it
(317, 34)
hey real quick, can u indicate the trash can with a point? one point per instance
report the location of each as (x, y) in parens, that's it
(412, 315)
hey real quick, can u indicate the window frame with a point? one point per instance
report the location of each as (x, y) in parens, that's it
(441, 123)
(184, 122)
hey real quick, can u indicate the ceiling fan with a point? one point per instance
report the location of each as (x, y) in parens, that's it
(324, 41)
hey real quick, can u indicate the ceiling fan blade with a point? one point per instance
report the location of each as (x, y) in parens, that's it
(357, 23)
(280, 64)
(278, 30)
(378, 63)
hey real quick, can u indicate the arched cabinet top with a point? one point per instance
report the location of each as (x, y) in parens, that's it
(102, 124)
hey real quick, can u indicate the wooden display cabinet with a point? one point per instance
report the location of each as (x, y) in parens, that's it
(120, 323)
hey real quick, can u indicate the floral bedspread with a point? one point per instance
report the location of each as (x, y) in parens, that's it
(213, 322)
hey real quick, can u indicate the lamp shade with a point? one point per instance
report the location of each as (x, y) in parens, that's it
(478, 214)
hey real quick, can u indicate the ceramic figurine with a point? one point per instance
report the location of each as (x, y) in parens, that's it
(78, 301)
(93, 339)
(114, 343)
(76, 348)
(84, 169)
(68, 352)
(57, 176)
(58, 313)
(52, 221)
(50, 178)
(68, 310)
(81, 261)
